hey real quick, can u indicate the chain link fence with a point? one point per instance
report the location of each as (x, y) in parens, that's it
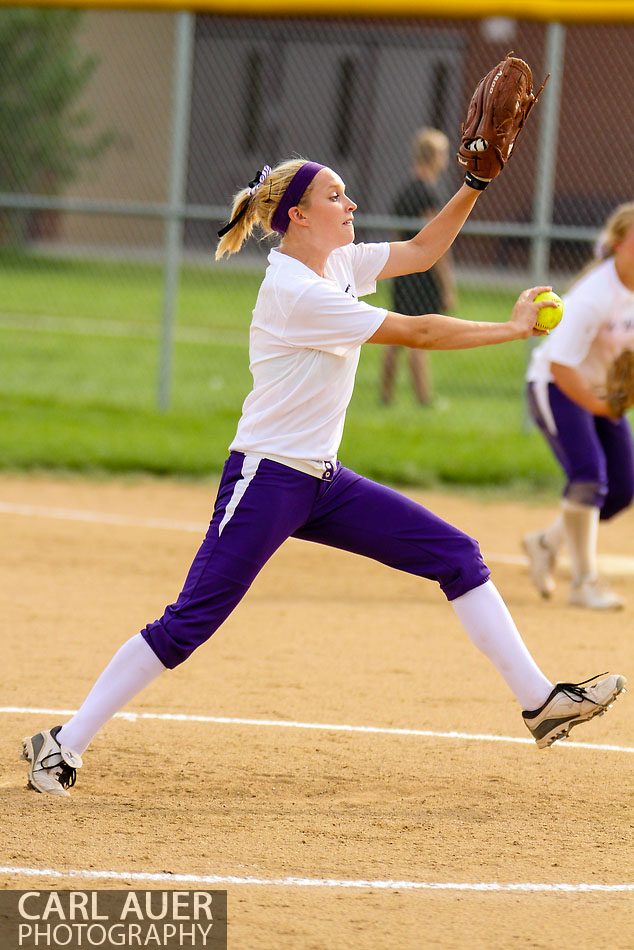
(126, 133)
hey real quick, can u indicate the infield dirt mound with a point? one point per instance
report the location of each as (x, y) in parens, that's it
(321, 638)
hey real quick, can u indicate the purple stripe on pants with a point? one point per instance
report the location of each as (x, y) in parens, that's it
(257, 513)
(595, 452)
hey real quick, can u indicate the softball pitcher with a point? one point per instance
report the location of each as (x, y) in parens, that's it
(283, 478)
(569, 400)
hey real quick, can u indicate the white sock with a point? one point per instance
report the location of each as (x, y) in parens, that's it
(581, 523)
(132, 668)
(487, 620)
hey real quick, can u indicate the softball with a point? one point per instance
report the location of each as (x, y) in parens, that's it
(549, 317)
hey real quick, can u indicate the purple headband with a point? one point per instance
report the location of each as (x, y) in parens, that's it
(296, 188)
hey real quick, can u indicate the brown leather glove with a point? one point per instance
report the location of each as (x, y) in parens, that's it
(497, 113)
(620, 383)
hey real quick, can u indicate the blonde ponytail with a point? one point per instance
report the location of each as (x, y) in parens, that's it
(253, 207)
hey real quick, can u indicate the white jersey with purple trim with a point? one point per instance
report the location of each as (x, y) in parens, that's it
(305, 340)
(597, 325)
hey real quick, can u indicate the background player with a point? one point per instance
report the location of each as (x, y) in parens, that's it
(282, 477)
(567, 399)
(430, 291)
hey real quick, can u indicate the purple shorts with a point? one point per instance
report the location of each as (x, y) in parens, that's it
(595, 452)
(262, 503)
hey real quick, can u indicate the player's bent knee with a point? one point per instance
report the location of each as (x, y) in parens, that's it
(467, 570)
(615, 503)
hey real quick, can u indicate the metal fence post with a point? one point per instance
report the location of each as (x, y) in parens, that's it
(547, 153)
(177, 192)
(546, 167)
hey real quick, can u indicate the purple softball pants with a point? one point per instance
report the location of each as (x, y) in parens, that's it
(595, 452)
(261, 503)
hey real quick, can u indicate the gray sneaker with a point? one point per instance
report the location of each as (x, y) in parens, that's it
(52, 766)
(568, 705)
(594, 595)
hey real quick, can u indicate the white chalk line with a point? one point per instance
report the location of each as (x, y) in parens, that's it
(319, 726)
(392, 885)
(609, 563)
(100, 517)
(217, 879)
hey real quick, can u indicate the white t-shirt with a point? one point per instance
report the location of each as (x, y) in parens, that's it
(304, 348)
(598, 323)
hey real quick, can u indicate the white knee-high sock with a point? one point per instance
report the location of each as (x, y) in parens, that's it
(487, 620)
(581, 523)
(132, 668)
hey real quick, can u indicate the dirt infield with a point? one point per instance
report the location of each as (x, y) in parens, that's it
(477, 833)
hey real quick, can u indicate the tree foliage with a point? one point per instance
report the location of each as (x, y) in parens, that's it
(46, 136)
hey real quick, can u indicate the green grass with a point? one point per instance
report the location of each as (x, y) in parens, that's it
(80, 357)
